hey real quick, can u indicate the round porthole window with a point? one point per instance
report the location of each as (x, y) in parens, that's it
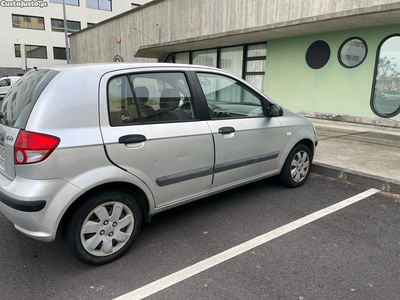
(318, 55)
(385, 99)
(352, 52)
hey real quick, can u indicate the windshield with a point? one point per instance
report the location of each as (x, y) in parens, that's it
(19, 102)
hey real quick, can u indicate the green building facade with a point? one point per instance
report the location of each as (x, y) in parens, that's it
(333, 88)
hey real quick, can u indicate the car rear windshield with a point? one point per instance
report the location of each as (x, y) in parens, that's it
(20, 100)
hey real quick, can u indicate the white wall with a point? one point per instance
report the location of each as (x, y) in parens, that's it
(10, 36)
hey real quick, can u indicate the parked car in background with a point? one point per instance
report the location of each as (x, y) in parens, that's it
(393, 95)
(388, 101)
(6, 83)
(129, 141)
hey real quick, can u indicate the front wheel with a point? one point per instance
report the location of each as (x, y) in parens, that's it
(103, 228)
(296, 169)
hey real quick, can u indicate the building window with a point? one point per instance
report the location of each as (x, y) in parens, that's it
(231, 60)
(33, 51)
(205, 58)
(352, 52)
(99, 4)
(245, 61)
(134, 5)
(59, 53)
(255, 65)
(68, 2)
(259, 50)
(318, 55)
(28, 22)
(385, 100)
(17, 50)
(90, 24)
(58, 25)
(182, 58)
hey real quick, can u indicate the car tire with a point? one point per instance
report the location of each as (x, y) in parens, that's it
(103, 228)
(297, 166)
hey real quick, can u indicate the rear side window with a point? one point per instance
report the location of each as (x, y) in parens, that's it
(120, 101)
(149, 98)
(19, 102)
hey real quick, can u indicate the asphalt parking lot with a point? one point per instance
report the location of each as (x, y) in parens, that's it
(352, 253)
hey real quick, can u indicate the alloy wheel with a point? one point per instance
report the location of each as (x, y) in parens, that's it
(300, 166)
(107, 228)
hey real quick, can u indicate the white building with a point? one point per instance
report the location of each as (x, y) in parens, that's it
(38, 24)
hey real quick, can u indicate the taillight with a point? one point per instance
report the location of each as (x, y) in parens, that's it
(32, 147)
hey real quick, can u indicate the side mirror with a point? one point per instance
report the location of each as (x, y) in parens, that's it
(274, 110)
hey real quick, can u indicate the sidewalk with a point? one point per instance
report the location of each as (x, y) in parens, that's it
(362, 154)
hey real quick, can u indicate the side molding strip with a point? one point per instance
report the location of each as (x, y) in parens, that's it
(183, 176)
(245, 162)
(175, 178)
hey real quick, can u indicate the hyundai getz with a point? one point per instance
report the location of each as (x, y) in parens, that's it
(93, 150)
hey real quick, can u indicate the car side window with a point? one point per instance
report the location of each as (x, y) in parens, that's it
(5, 82)
(150, 98)
(226, 98)
(120, 100)
(163, 97)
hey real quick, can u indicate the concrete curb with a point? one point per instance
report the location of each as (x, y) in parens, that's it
(372, 181)
(354, 120)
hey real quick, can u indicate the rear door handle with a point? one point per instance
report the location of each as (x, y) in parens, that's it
(226, 130)
(132, 138)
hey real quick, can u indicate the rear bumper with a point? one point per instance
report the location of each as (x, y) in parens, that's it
(36, 206)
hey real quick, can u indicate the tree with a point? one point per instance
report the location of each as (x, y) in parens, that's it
(388, 78)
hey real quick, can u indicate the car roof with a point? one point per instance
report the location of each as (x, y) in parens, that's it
(107, 67)
(73, 72)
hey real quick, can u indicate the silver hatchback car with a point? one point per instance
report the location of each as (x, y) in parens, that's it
(94, 149)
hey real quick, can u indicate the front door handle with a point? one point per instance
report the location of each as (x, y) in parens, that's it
(132, 138)
(226, 130)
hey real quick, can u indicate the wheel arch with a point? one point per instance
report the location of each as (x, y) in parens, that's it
(138, 194)
(309, 143)
(289, 146)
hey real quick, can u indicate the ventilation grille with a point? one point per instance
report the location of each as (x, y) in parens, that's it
(318, 54)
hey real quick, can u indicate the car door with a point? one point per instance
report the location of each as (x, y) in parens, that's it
(247, 143)
(151, 128)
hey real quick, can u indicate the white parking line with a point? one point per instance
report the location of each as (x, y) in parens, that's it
(203, 265)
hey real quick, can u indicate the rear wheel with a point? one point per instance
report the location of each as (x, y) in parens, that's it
(296, 169)
(103, 228)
